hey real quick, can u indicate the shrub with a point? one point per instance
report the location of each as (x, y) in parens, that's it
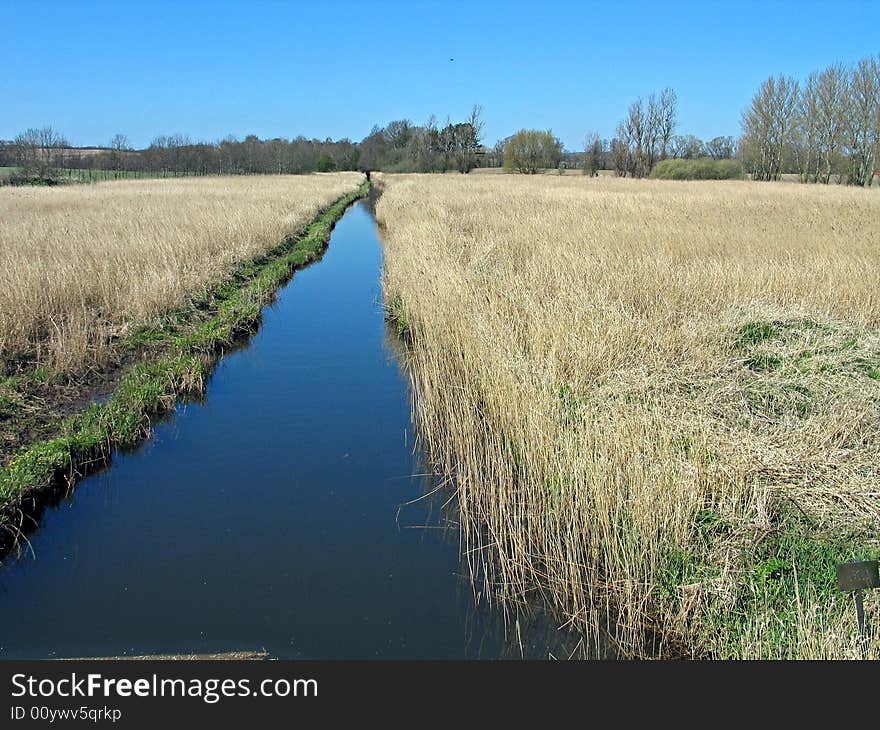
(704, 168)
(325, 164)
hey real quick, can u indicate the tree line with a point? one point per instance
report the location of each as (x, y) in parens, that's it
(43, 152)
(399, 146)
(825, 127)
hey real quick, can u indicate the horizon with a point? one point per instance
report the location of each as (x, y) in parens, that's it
(211, 71)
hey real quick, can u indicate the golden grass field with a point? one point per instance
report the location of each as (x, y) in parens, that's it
(80, 265)
(659, 401)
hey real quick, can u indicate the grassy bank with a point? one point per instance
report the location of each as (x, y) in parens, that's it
(176, 357)
(660, 404)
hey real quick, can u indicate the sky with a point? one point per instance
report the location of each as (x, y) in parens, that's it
(335, 69)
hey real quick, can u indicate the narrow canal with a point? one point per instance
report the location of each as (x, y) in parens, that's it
(269, 516)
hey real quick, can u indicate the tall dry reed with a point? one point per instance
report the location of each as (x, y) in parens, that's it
(80, 265)
(659, 401)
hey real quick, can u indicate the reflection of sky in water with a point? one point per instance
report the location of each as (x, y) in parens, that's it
(266, 517)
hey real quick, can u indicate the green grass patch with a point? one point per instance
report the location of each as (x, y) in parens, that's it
(792, 567)
(753, 333)
(763, 361)
(395, 314)
(805, 347)
(869, 365)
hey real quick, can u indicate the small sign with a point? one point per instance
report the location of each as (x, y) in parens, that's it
(858, 575)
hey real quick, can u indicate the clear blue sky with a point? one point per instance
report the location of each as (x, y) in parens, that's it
(336, 68)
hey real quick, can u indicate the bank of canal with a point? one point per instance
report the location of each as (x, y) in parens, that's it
(266, 517)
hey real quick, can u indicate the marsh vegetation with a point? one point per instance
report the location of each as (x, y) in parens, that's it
(82, 266)
(659, 404)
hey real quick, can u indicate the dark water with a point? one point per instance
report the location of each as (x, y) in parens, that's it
(268, 516)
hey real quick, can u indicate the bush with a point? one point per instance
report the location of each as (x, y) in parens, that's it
(325, 164)
(703, 169)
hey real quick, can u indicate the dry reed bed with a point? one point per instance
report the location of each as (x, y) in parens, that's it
(79, 265)
(660, 401)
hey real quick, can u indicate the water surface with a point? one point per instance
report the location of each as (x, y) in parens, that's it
(268, 516)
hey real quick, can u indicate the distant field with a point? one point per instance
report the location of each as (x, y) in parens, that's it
(80, 265)
(659, 401)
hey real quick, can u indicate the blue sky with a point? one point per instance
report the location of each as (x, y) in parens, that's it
(336, 68)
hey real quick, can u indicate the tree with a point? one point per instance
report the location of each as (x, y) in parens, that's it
(633, 133)
(398, 133)
(767, 127)
(496, 154)
(829, 125)
(833, 93)
(647, 132)
(719, 148)
(664, 119)
(466, 140)
(594, 155)
(862, 129)
(119, 147)
(39, 151)
(806, 130)
(619, 157)
(325, 163)
(687, 147)
(424, 145)
(530, 150)
(402, 147)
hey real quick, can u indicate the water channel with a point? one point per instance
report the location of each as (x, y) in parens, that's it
(269, 516)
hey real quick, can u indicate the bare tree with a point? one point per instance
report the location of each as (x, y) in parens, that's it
(119, 147)
(119, 142)
(647, 132)
(719, 148)
(398, 133)
(833, 93)
(767, 127)
(633, 132)
(496, 154)
(863, 121)
(423, 145)
(687, 147)
(666, 113)
(40, 151)
(806, 132)
(620, 156)
(468, 137)
(830, 125)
